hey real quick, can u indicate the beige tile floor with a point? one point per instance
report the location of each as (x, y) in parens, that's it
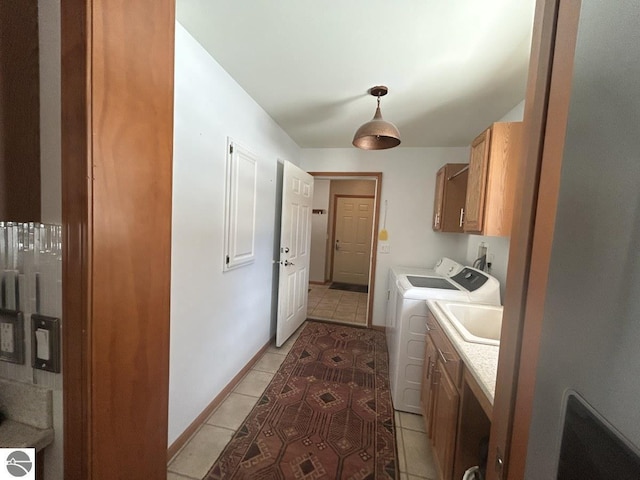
(195, 459)
(345, 307)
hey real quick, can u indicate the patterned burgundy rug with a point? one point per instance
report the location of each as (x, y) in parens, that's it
(326, 414)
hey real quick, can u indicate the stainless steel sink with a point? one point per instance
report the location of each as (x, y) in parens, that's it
(476, 323)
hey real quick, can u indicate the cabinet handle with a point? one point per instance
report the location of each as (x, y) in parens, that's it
(435, 380)
(461, 216)
(430, 369)
(443, 357)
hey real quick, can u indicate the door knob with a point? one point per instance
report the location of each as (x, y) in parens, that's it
(285, 263)
(337, 245)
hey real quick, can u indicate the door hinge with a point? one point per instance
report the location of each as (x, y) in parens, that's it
(227, 259)
(230, 148)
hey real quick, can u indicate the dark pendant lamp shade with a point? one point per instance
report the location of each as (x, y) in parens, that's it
(377, 134)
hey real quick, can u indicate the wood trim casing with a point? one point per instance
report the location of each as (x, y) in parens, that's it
(547, 200)
(376, 225)
(117, 146)
(535, 117)
(76, 221)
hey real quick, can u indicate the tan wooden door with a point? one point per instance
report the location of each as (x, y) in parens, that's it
(352, 240)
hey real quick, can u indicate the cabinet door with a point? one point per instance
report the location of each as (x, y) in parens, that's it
(439, 199)
(428, 394)
(20, 185)
(477, 183)
(445, 422)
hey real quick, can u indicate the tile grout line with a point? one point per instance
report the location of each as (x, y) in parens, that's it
(256, 398)
(182, 475)
(398, 425)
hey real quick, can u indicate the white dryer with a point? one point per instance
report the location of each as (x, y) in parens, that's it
(409, 288)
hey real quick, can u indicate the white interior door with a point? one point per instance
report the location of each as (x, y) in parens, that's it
(352, 246)
(295, 246)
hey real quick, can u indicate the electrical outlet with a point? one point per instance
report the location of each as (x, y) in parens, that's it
(6, 338)
(385, 248)
(11, 336)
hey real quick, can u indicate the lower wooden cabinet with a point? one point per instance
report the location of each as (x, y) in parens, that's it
(456, 421)
(427, 397)
(445, 421)
(440, 396)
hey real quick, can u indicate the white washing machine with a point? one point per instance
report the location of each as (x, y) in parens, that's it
(408, 290)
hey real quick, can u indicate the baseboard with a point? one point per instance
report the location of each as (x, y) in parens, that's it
(380, 328)
(200, 419)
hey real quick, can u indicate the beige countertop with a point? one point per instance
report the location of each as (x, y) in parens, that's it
(19, 435)
(29, 415)
(480, 360)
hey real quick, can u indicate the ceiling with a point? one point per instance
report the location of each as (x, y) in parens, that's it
(452, 66)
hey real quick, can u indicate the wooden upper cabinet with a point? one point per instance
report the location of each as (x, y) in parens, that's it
(451, 189)
(493, 165)
(19, 112)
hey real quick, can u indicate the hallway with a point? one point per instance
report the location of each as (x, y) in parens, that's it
(344, 307)
(195, 459)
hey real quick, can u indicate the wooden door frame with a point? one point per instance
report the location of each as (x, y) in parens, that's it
(377, 176)
(545, 118)
(76, 221)
(333, 230)
(112, 370)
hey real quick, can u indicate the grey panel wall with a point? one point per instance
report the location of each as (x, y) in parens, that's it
(591, 334)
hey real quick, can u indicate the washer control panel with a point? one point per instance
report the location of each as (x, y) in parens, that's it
(470, 279)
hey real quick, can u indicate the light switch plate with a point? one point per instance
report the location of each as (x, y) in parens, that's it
(45, 356)
(11, 336)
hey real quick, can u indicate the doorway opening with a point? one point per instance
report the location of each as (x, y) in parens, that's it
(343, 246)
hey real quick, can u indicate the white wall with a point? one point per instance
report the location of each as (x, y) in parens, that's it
(50, 133)
(497, 246)
(218, 321)
(408, 181)
(319, 229)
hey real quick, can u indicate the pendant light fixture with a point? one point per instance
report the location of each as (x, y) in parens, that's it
(377, 134)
